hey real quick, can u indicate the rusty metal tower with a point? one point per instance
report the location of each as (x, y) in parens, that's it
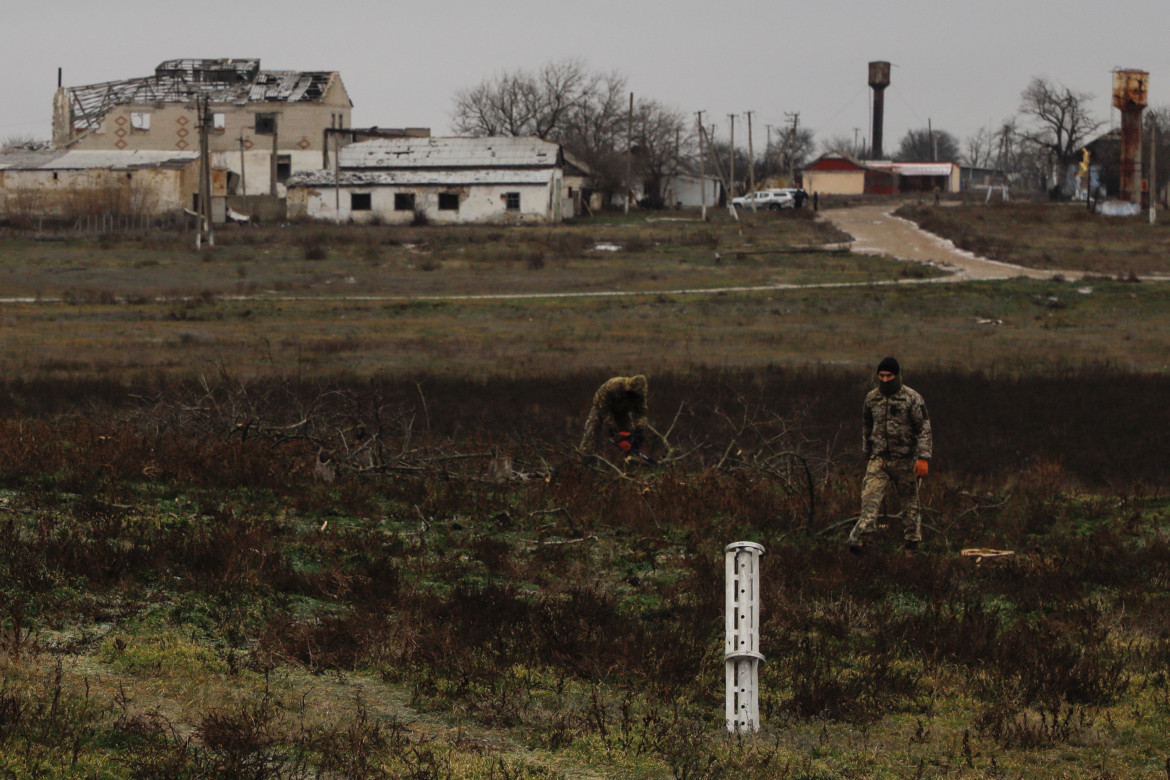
(1129, 97)
(879, 79)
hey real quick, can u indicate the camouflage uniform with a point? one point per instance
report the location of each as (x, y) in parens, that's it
(623, 399)
(895, 433)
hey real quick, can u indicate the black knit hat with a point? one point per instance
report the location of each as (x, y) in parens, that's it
(889, 364)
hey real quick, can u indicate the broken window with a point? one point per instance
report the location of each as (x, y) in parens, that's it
(448, 201)
(404, 201)
(283, 167)
(360, 201)
(265, 124)
(140, 120)
(512, 201)
(218, 122)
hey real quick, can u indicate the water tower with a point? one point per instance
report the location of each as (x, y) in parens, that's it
(1129, 97)
(879, 79)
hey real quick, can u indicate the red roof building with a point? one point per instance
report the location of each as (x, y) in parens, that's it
(839, 174)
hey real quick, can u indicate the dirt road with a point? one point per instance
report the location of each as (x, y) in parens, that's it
(875, 230)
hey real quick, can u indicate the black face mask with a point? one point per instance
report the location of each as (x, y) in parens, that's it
(889, 388)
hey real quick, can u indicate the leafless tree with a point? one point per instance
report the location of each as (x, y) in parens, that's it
(788, 153)
(843, 144)
(523, 103)
(1060, 124)
(587, 112)
(919, 146)
(981, 149)
(661, 135)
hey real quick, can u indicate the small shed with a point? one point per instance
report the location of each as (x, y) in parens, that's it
(440, 180)
(688, 190)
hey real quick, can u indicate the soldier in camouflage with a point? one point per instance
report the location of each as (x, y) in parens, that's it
(622, 399)
(897, 443)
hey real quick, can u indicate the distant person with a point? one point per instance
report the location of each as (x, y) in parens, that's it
(816, 202)
(896, 439)
(621, 400)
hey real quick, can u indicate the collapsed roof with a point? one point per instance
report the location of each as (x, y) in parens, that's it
(222, 81)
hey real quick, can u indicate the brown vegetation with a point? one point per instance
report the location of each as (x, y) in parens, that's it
(1054, 237)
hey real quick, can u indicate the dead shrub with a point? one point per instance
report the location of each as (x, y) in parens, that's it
(1055, 723)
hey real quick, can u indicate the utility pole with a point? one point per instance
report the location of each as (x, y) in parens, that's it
(790, 146)
(203, 106)
(243, 177)
(702, 164)
(767, 149)
(629, 150)
(1153, 170)
(337, 174)
(751, 161)
(272, 163)
(731, 168)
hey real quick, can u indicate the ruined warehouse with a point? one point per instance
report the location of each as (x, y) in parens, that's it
(265, 124)
(77, 183)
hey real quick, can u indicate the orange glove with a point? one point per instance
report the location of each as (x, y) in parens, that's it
(624, 445)
(921, 468)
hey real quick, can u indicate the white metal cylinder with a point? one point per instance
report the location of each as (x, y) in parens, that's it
(742, 649)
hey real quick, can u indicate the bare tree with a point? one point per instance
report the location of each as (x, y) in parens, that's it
(595, 133)
(660, 136)
(719, 156)
(981, 149)
(843, 144)
(523, 103)
(789, 153)
(1061, 124)
(919, 146)
(585, 111)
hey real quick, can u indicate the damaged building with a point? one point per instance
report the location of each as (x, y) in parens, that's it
(78, 183)
(441, 180)
(265, 125)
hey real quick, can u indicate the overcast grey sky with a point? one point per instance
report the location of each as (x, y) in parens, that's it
(960, 65)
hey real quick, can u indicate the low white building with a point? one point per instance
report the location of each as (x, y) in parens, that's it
(439, 180)
(684, 190)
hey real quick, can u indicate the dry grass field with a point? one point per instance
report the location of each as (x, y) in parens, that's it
(1052, 236)
(298, 508)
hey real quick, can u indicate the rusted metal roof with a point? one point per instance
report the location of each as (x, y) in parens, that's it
(53, 160)
(222, 81)
(452, 153)
(417, 178)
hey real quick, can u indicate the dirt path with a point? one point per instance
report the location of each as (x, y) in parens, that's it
(877, 231)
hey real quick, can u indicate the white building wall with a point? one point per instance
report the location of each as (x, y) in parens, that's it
(257, 167)
(688, 192)
(477, 204)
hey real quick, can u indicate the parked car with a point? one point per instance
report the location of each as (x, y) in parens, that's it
(766, 199)
(799, 196)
